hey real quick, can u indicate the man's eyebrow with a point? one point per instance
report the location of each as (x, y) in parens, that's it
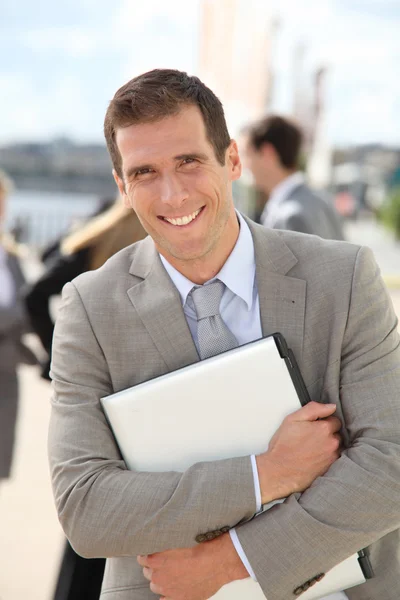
(135, 168)
(199, 155)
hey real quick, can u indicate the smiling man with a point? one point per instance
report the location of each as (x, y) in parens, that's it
(140, 316)
(171, 175)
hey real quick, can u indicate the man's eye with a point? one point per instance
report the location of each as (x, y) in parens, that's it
(188, 161)
(143, 172)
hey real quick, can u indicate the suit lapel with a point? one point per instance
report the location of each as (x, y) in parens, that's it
(282, 298)
(294, 192)
(159, 306)
(158, 303)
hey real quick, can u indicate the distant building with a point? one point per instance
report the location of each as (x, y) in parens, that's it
(59, 165)
(235, 56)
(362, 176)
(58, 157)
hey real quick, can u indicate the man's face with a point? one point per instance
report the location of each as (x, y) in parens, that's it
(173, 181)
(255, 161)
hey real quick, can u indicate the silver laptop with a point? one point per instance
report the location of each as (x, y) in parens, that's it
(226, 406)
(173, 421)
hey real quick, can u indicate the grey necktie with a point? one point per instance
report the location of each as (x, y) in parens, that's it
(213, 335)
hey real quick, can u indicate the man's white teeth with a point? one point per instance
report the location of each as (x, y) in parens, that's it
(183, 220)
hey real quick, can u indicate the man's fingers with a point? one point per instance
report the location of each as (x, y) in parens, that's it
(147, 573)
(155, 588)
(142, 560)
(340, 447)
(313, 411)
(334, 424)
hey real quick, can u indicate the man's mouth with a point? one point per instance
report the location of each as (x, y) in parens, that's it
(185, 220)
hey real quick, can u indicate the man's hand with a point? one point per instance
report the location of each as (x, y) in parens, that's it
(196, 573)
(302, 449)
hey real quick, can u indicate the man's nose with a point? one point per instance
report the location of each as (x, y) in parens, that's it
(173, 191)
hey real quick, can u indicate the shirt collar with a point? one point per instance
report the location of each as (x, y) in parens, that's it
(237, 274)
(285, 187)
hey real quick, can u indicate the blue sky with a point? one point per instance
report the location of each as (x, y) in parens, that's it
(60, 63)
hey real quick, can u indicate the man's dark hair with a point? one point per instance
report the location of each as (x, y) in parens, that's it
(161, 93)
(284, 135)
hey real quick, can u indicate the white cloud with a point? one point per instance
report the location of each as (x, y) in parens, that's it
(156, 34)
(71, 41)
(39, 115)
(362, 51)
(135, 17)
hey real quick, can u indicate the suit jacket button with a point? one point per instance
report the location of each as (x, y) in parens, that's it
(225, 529)
(211, 535)
(200, 538)
(299, 590)
(319, 577)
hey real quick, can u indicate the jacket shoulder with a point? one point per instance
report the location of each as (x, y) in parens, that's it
(324, 262)
(312, 249)
(114, 270)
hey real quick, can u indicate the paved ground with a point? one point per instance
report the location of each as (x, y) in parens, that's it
(30, 536)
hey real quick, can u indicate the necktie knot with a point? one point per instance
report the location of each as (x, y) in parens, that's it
(212, 333)
(207, 298)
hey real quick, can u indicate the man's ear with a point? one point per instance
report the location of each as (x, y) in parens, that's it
(233, 161)
(121, 188)
(268, 152)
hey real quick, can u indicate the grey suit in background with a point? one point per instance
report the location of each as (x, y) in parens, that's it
(13, 322)
(124, 324)
(304, 211)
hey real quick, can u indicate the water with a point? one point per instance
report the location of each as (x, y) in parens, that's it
(44, 216)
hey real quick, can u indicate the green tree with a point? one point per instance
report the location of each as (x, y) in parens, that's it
(390, 212)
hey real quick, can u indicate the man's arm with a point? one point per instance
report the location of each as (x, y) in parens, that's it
(357, 501)
(105, 509)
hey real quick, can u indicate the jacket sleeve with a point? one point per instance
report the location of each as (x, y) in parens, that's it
(357, 501)
(105, 509)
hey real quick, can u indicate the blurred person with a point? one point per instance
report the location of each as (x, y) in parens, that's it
(84, 249)
(13, 323)
(54, 247)
(139, 316)
(272, 154)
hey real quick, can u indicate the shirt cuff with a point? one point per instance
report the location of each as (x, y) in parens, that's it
(240, 551)
(256, 480)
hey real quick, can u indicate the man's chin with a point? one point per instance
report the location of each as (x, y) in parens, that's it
(184, 254)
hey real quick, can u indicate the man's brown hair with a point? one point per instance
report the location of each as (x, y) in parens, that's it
(161, 93)
(282, 133)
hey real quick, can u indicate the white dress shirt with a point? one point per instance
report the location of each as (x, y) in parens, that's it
(280, 193)
(240, 311)
(7, 286)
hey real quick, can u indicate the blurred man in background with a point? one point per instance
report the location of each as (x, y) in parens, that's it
(272, 153)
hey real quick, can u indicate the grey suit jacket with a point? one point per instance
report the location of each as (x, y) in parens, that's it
(303, 210)
(124, 324)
